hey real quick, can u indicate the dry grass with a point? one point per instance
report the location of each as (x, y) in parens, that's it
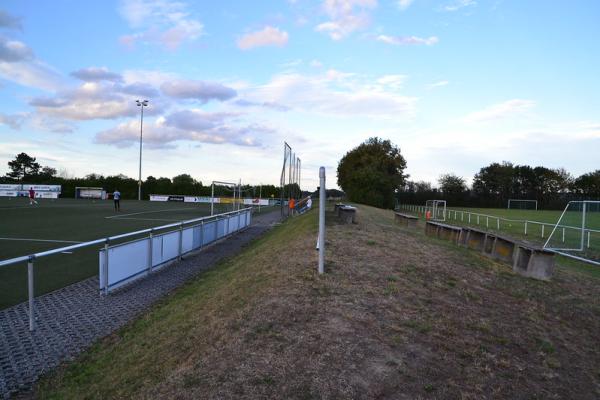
(397, 316)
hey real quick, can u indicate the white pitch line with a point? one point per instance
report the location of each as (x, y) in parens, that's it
(40, 240)
(147, 212)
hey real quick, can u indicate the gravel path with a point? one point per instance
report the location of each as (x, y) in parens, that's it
(71, 319)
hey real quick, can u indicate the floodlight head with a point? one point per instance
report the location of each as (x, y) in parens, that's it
(142, 103)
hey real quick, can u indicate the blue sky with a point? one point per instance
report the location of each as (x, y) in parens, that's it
(456, 84)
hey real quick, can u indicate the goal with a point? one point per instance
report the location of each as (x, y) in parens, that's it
(90, 193)
(228, 197)
(577, 232)
(437, 209)
(522, 204)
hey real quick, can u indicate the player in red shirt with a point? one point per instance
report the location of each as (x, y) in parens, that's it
(32, 196)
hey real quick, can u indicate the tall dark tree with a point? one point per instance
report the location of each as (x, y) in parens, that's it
(372, 173)
(453, 187)
(22, 167)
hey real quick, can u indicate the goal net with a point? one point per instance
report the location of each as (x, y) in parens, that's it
(577, 232)
(225, 197)
(520, 204)
(436, 210)
(90, 193)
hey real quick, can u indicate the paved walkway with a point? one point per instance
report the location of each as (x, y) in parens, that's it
(71, 319)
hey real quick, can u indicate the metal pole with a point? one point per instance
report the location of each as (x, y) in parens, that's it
(105, 285)
(140, 172)
(150, 244)
(322, 220)
(525, 228)
(583, 225)
(31, 293)
(180, 240)
(212, 199)
(259, 196)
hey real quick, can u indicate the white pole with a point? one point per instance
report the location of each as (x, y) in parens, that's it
(588, 240)
(583, 224)
(31, 294)
(212, 199)
(525, 228)
(322, 220)
(498, 223)
(543, 231)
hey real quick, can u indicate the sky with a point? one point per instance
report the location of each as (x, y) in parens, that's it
(455, 84)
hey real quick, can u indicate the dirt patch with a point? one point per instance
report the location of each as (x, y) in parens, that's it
(397, 316)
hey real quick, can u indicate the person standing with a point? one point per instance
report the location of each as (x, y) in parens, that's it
(117, 199)
(32, 196)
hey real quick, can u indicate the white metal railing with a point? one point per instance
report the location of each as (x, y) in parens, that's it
(481, 219)
(106, 242)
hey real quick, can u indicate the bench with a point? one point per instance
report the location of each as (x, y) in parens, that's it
(347, 214)
(336, 208)
(406, 219)
(444, 231)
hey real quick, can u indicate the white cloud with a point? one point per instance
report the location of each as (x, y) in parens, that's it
(164, 22)
(92, 74)
(14, 51)
(346, 16)
(437, 84)
(91, 100)
(404, 4)
(268, 36)
(186, 125)
(35, 74)
(14, 121)
(458, 4)
(502, 110)
(316, 64)
(199, 90)
(335, 92)
(407, 40)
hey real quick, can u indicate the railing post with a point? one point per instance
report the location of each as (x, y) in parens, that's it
(201, 233)
(150, 250)
(322, 220)
(105, 283)
(543, 226)
(525, 228)
(498, 223)
(180, 240)
(31, 293)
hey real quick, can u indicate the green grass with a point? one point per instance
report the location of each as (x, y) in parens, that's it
(71, 220)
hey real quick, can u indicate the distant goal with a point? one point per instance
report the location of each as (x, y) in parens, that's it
(436, 210)
(90, 193)
(519, 204)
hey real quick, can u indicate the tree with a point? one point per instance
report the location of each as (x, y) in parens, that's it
(23, 166)
(588, 184)
(452, 185)
(372, 173)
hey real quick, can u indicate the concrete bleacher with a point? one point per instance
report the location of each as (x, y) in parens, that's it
(345, 212)
(526, 259)
(406, 219)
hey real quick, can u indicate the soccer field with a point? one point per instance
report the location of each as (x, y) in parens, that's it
(52, 224)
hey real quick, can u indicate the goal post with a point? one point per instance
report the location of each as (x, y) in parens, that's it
(97, 193)
(437, 209)
(576, 234)
(522, 204)
(229, 196)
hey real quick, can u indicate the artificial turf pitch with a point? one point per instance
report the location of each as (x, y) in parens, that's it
(58, 223)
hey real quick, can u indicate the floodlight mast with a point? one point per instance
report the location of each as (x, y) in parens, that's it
(142, 104)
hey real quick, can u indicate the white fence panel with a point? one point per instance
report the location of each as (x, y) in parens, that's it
(209, 234)
(165, 247)
(128, 261)
(125, 262)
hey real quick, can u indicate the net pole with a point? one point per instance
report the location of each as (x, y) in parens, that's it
(583, 225)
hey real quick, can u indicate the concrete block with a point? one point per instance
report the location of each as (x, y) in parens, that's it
(534, 263)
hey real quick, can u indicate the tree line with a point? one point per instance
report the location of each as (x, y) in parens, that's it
(25, 169)
(496, 183)
(373, 173)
